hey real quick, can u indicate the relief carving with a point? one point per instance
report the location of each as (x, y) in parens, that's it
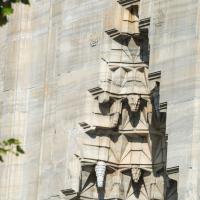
(124, 20)
(117, 149)
(121, 185)
(128, 114)
(122, 153)
(136, 174)
(121, 80)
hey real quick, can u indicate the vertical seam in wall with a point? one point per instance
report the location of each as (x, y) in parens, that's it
(193, 152)
(45, 98)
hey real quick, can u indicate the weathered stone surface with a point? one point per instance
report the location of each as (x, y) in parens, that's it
(121, 153)
(59, 61)
(175, 52)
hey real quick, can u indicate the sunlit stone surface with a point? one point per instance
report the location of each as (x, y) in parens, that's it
(91, 81)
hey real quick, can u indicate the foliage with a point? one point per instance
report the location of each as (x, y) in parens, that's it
(6, 9)
(12, 146)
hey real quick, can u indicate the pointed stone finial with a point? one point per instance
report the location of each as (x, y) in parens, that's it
(136, 173)
(100, 170)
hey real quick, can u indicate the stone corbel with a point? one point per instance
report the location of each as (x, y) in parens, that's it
(100, 170)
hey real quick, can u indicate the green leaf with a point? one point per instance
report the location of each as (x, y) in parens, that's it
(3, 19)
(13, 141)
(1, 159)
(19, 149)
(25, 2)
(3, 151)
(5, 142)
(7, 11)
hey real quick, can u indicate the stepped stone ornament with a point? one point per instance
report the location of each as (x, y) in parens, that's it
(124, 21)
(122, 146)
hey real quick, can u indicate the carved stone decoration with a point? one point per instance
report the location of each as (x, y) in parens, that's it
(124, 21)
(136, 173)
(117, 149)
(155, 100)
(172, 190)
(100, 170)
(172, 183)
(120, 185)
(125, 80)
(134, 102)
(103, 98)
(127, 52)
(127, 114)
(123, 147)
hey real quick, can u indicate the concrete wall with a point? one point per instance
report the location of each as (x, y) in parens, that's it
(175, 52)
(49, 58)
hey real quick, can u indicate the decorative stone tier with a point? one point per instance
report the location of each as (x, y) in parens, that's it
(123, 148)
(124, 20)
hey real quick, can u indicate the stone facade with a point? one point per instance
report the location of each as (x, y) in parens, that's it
(104, 96)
